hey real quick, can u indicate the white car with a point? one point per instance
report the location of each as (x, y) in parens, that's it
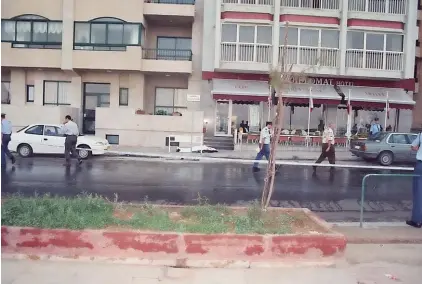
(47, 139)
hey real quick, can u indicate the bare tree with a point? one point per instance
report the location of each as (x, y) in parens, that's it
(280, 79)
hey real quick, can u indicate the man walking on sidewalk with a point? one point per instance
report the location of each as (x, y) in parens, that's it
(264, 145)
(327, 150)
(6, 136)
(416, 220)
(71, 132)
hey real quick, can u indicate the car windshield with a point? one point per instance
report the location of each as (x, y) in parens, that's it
(22, 128)
(379, 136)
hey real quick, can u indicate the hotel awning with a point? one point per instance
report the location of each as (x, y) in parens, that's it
(374, 97)
(258, 91)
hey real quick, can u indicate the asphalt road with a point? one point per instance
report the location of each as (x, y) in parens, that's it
(334, 195)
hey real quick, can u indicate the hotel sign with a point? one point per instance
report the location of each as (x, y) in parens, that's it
(322, 81)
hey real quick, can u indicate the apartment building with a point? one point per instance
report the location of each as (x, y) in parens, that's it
(417, 113)
(123, 70)
(365, 48)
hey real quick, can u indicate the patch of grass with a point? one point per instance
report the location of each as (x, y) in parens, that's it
(87, 211)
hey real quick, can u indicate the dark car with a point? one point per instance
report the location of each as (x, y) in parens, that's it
(386, 148)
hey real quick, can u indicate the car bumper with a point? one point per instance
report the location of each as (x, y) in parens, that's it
(363, 154)
(100, 149)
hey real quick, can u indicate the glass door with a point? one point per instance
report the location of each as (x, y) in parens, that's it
(223, 118)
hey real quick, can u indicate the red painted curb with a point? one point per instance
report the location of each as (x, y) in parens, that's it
(153, 245)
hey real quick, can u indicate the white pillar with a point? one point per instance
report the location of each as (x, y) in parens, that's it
(217, 33)
(344, 8)
(276, 32)
(411, 35)
(67, 34)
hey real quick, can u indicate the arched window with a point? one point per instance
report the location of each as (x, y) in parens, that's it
(33, 31)
(106, 33)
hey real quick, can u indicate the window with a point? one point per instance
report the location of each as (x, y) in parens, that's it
(35, 130)
(412, 137)
(32, 31)
(398, 139)
(96, 95)
(52, 131)
(29, 93)
(123, 97)
(228, 33)
(394, 42)
(106, 34)
(375, 41)
(178, 43)
(292, 36)
(310, 37)
(112, 139)
(330, 38)
(168, 100)
(355, 40)
(5, 92)
(56, 93)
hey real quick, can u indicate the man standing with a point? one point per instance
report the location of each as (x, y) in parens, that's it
(416, 220)
(264, 145)
(375, 127)
(6, 136)
(71, 132)
(327, 150)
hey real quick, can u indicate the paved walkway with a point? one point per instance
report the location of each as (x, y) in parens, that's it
(381, 234)
(401, 261)
(246, 152)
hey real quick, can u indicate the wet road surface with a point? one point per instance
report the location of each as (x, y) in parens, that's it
(336, 195)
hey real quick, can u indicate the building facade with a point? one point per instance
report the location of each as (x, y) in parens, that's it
(365, 48)
(417, 112)
(116, 67)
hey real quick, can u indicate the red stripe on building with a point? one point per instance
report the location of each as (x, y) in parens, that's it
(310, 19)
(246, 16)
(375, 24)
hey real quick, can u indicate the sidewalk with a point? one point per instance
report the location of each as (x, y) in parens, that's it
(296, 153)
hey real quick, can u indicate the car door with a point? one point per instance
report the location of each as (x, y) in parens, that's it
(33, 137)
(53, 140)
(412, 154)
(400, 146)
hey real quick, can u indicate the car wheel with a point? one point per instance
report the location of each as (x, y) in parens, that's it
(25, 150)
(386, 158)
(84, 151)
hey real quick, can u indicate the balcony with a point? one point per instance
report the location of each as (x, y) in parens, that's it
(326, 60)
(154, 9)
(248, 6)
(248, 56)
(327, 8)
(387, 10)
(167, 60)
(374, 63)
(30, 57)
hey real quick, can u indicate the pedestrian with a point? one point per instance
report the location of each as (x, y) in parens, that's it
(71, 132)
(327, 150)
(264, 145)
(375, 128)
(416, 220)
(6, 136)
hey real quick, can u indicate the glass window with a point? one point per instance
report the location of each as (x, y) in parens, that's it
(82, 31)
(51, 131)
(228, 33)
(5, 92)
(183, 43)
(131, 34)
(412, 137)
(124, 96)
(8, 30)
(291, 34)
(30, 93)
(55, 32)
(398, 139)
(394, 42)
(374, 41)
(246, 34)
(23, 31)
(40, 32)
(309, 37)
(264, 34)
(330, 38)
(56, 93)
(112, 139)
(35, 130)
(355, 40)
(164, 97)
(169, 100)
(98, 33)
(180, 97)
(115, 34)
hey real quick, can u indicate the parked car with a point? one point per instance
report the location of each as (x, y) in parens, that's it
(47, 139)
(386, 148)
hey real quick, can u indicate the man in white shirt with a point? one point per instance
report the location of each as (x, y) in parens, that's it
(71, 132)
(264, 145)
(327, 150)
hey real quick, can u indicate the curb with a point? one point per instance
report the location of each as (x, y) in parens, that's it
(174, 249)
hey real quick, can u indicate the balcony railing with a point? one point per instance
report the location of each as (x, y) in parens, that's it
(246, 52)
(312, 4)
(379, 6)
(311, 56)
(379, 60)
(250, 2)
(167, 54)
(182, 2)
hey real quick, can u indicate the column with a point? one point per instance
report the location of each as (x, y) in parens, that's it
(276, 32)
(217, 26)
(18, 88)
(411, 35)
(67, 34)
(344, 8)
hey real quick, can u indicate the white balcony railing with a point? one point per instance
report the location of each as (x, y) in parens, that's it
(310, 56)
(379, 6)
(378, 60)
(250, 2)
(312, 4)
(246, 52)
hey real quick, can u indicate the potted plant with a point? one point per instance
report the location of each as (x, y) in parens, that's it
(139, 111)
(160, 112)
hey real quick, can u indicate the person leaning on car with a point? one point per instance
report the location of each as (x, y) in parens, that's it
(416, 220)
(71, 132)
